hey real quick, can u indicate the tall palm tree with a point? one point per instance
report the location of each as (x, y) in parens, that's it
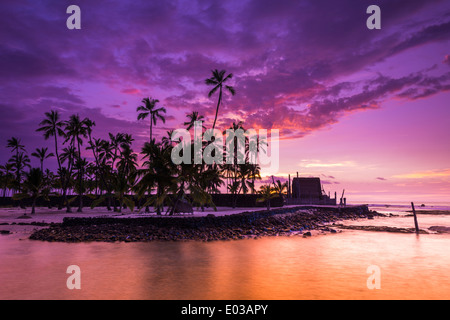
(52, 126)
(126, 175)
(19, 162)
(76, 130)
(158, 173)
(42, 154)
(194, 116)
(70, 154)
(217, 80)
(15, 145)
(149, 110)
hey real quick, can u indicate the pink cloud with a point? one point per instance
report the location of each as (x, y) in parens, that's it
(131, 91)
(446, 59)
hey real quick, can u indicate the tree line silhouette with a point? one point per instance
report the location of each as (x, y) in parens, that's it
(114, 177)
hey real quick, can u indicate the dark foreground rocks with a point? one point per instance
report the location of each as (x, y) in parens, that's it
(236, 226)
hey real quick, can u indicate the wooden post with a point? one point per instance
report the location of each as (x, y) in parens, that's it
(342, 197)
(415, 218)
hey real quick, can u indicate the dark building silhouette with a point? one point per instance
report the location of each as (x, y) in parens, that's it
(308, 191)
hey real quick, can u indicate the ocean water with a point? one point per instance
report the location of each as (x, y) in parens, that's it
(329, 266)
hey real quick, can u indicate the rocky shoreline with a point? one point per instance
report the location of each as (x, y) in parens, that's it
(282, 221)
(381, 228)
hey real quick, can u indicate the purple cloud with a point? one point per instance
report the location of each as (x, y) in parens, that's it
(298, 66)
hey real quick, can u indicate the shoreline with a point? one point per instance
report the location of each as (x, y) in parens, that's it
(295, 220)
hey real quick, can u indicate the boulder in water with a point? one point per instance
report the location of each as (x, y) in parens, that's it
(440, 229)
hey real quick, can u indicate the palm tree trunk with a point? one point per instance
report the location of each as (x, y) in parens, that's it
(33, 206)
(217, 108)
(61, 204)
(158, 207)
(100, 172)
(151, 128)
(80, 179)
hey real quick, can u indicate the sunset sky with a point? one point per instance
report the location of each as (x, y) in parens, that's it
(365, 110)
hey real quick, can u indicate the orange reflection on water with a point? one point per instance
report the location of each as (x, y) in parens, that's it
(329, 266)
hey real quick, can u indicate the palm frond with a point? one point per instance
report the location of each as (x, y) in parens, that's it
(213, 90)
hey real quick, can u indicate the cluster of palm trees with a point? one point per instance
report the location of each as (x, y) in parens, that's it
(114, 177)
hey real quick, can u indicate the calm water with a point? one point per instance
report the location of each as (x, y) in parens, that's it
(331, 266)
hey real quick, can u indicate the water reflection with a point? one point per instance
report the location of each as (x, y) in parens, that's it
(331, 266)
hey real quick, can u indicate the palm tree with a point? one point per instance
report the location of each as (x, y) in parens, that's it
(126, 176)
(192, 118)
(7, 177)
(70, 154)
(114, 146)
(76, 130)
(15, 145)
(19, 162)
(217, 80)
(167, 139)
(158, 172)
(42, 154)
(280, 188)
(267, 193)
(149, 110)
(35, 186)
(52, 127)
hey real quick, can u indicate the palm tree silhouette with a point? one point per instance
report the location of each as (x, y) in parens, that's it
(15, 145)
(7, 177)
(76, 130)
(192, 118)
(149, 110)
(70, 154)
(42, 154)
(217, 80)
(19, 162)
(52, 127)
(35, 186)
(266, 194)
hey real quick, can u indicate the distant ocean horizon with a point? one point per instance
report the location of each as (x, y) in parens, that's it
(426, 205)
